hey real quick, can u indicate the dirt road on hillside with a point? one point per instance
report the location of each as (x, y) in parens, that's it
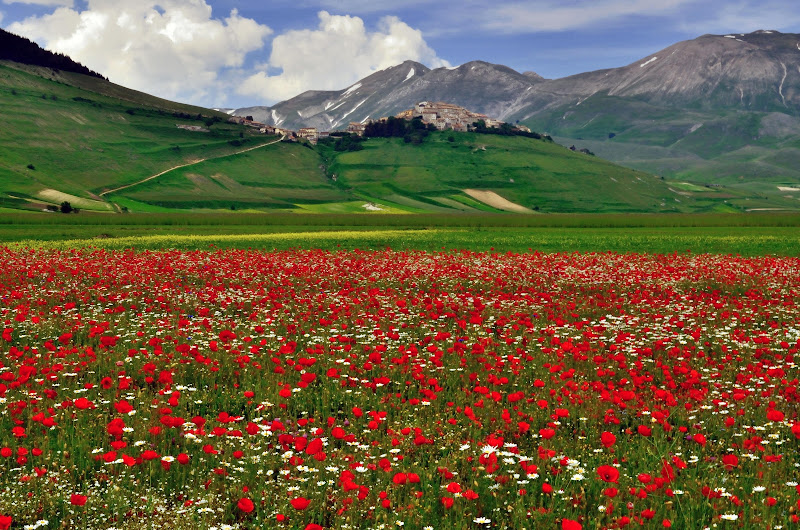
(102, 194)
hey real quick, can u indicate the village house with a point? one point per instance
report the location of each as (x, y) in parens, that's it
(446, 116)
(356, 128)
(309, 133)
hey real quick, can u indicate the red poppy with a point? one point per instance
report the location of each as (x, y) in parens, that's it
(730, 461)
(608, 473)
(569, 524)
(245, 505)
(300, 503)
(607, 439)
(775, 415)
(77, 500)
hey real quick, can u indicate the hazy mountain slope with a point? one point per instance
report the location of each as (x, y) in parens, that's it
(723, 109)
(68, 137)
(758, 71)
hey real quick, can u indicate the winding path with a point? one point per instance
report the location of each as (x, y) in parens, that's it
(187, 165)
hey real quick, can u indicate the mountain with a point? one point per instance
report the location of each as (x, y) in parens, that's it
(479, 86)
(748, 72)
(718, 109)
(754, 72)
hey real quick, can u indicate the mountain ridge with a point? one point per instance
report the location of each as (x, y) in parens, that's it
(748, 71)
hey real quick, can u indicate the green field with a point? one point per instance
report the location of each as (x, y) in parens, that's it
(720, 234)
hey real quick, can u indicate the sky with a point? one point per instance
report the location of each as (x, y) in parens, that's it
(237, 53)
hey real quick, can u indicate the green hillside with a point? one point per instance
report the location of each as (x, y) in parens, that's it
(534, 174)
(102, 147)
(754, 156)
(68, 134)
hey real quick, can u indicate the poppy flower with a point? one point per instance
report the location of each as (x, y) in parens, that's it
(730, 461)
(245, 505)
(775, 415)
(569, 524)
(454, 487)
(300, 503)
(608, 473)
(78, 500)
(607, 439)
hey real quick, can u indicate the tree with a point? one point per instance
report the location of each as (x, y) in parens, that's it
(66, 207)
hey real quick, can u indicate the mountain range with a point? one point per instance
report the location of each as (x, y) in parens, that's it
(712, 109)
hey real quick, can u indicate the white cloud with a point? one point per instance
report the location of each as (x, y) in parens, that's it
(65, 3)
(171, 48)
(552, 15)
(335, 55)
(747, 16)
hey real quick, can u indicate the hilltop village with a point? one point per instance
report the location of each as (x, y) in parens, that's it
(442, 116)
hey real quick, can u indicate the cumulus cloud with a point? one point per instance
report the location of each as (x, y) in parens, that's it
(172, 48)
(335, 55)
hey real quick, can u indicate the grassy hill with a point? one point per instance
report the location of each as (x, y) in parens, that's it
(77, 138)
(70, 135)
(755, 156)
(448, 168)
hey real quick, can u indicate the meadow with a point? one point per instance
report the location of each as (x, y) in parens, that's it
(747, 235)
(389, 388)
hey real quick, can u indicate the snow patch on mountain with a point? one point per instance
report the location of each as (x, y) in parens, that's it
(351, 89)
(647, 62)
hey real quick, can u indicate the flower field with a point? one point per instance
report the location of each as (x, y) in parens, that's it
(383, 389)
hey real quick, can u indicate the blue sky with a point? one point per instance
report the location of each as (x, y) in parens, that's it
(237, 53)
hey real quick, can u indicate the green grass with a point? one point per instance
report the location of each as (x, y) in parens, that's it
(720, 234)
(753, 241)
(59, 136)
(741, 151)
(277, 176)
(532, 173)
